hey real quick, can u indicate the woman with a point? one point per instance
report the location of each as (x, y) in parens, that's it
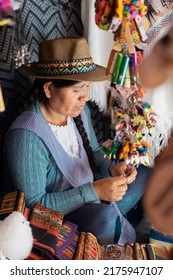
(51, 151)
(159, 205)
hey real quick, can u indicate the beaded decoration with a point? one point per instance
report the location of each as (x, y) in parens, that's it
(132, 118)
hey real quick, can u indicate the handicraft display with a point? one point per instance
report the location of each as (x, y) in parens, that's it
(131, 117)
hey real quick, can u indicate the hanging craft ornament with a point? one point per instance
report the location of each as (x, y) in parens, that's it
(21, 54)
(10, 14)
(109, 13)
(130, 127)
(131, 117)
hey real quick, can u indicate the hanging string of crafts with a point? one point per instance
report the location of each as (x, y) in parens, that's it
(21, 54)
(10, 18)
(132, 118)
(10, 15)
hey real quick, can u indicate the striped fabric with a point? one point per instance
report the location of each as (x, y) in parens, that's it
(93, 250)
(46, 225)
(161, 239)
(67, 242)
(13, 201)
(80, 247)
(37, 255)
(88, 247)
(66, 67)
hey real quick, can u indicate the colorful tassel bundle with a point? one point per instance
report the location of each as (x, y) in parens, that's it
(132, 118)
(130, 126)
(109, 13)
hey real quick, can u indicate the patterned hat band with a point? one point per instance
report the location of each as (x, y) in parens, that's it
(66, 67)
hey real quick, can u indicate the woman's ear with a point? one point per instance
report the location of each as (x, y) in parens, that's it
(48, 89)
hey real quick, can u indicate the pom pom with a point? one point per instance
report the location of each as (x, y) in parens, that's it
(126, 7)
(132, 7)
(126, 14)
(132, 15)
(143, 10)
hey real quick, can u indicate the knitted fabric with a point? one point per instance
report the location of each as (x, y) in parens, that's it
(76, 170)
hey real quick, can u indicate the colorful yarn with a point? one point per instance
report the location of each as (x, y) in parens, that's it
(130, 126)
(107, 10)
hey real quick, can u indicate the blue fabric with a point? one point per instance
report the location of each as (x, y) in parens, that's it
(99, 219)
(159, 236)
(135, 190)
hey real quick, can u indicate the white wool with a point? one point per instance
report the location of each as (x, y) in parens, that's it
(16, 236)
(162, 99)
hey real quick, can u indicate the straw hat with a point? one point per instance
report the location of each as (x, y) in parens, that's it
(66, 58)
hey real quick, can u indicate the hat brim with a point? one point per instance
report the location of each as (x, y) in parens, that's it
(99, 74)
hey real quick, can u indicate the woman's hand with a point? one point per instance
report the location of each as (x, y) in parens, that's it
(111, 189)
(122, 169)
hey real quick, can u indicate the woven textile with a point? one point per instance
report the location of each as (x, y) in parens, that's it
(80, 247)
(13, 201)
(161, 239)
(137, 251)
(65, 67)
(67, 242)
(46, 225)
(37, 255)
(88, 247)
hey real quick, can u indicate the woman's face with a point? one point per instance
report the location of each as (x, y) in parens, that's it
(69, 101)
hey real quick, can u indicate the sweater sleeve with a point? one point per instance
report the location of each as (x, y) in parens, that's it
(30, 164)
(101, 163)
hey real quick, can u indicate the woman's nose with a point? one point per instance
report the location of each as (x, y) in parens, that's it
(84, 96)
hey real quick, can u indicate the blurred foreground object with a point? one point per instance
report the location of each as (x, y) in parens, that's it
(158, 66)
(158, 199)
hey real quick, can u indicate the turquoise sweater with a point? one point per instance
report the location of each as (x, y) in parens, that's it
(30, 167)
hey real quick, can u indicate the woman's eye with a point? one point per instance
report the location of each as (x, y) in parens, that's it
(81, 89)
(75, 90)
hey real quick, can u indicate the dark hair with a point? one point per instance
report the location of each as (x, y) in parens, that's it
(88, 149)
(38, 85)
